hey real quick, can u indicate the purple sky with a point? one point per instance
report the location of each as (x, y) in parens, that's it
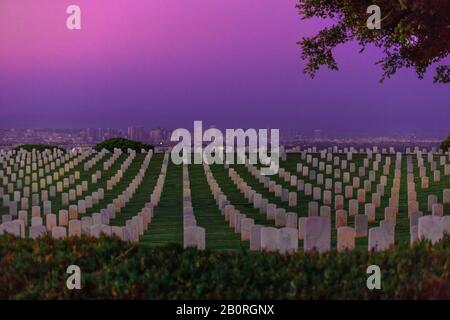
(232, 63)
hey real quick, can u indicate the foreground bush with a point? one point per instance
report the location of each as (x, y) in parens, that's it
(112, 269)
(123, 144)
(38, 147)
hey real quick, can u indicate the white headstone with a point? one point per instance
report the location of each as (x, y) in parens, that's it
(430, 228)
(317, 234)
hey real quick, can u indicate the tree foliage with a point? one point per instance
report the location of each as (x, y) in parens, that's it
(123, 144)
(414, 34)
(445, 145)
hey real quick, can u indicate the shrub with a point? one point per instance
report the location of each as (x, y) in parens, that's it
(111, 269)
(123, 144)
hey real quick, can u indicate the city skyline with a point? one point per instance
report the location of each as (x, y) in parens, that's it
(88, 137)
(135, 131)
(167, 64)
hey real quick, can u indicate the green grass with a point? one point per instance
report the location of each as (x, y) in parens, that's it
(110, 195)
(236, 197)
(217, 232)
(87, 176)
(142, 194)
(167, 223)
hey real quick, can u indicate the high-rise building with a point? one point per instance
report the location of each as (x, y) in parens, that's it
(156, 136)
(130, 133)
(92, 134)
(317, 135)
(138, 134)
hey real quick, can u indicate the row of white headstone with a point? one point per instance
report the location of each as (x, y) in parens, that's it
(137, 225)
(73, 193)
(114, 180)
(380, 238)
(19, 181)
(370, 150)
(435, 208)
(267, 238)
(52, 191)
(313, 206)
(99, 222)
(193, 235)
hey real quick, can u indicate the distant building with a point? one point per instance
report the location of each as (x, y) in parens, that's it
(137, 134)
(130, 132)
(317, 135)
(92, 135)
(109, 133)
(156, 136)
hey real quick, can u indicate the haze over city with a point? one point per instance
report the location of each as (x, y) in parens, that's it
(167, 63)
